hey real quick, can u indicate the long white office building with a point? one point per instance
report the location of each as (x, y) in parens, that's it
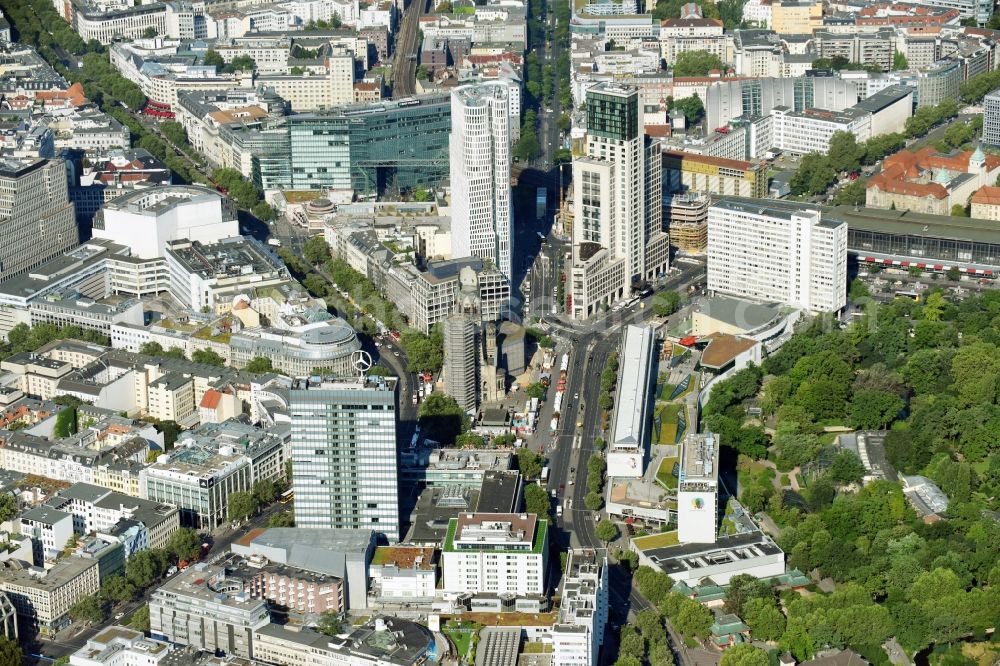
(636, 378)
(766, 251)
(344, 459)
(480, 159)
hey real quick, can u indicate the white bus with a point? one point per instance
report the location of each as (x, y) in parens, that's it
(545, 474)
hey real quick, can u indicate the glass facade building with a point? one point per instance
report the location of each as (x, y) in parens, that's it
(344, 455)
(363, 147)
(613, 113)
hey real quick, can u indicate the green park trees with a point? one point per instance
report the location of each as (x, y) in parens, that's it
(184, 544)
(744, 655)
(692, 108)
(696, 63)
(10, 652)
(666, 303)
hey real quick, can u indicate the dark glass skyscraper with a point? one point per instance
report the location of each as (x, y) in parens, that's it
(612, 115)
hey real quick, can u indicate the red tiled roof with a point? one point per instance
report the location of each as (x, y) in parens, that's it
(73, 94)
(211, 399)
(987, 195)
(901, 169)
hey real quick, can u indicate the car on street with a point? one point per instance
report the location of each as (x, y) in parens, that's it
(576, 396)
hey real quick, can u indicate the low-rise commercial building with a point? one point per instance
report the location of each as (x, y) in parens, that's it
(683, 172)
(119, 646)
(628, 447)
(754, 554)
(383, 641)
(209, 276)
(403, 574)
(343, 553)
(43, 597)
(202, 608)
(300, 349)
(453, 467)
(290, 590)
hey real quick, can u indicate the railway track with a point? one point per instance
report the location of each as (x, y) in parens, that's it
(404, 71)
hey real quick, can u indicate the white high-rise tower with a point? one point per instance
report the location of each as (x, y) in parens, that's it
(344, 458)
(618, 236)
(480, 173)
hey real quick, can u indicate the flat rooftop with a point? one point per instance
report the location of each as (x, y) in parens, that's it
(372, 383)
(726, 550)
(61, 268)
(499, 491)
(474, 528)
(232, 257)
(206, 583)
(777, 209)
(699, 459)
(723, 349)
(404, 557)
(64, 571)
(743, 314)
(635, 367)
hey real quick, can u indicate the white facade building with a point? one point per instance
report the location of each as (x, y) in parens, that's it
(146, 219)
(618, 236)
(403, 574)
(48, 529)
(480, 149)
(578, 633)
(119, 646)
(991, 118)
(500, 553)
(809, 131)
(698, 489)
(344, 457)
(777, 253)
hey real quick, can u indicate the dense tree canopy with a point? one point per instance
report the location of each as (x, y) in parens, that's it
(696, 63)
